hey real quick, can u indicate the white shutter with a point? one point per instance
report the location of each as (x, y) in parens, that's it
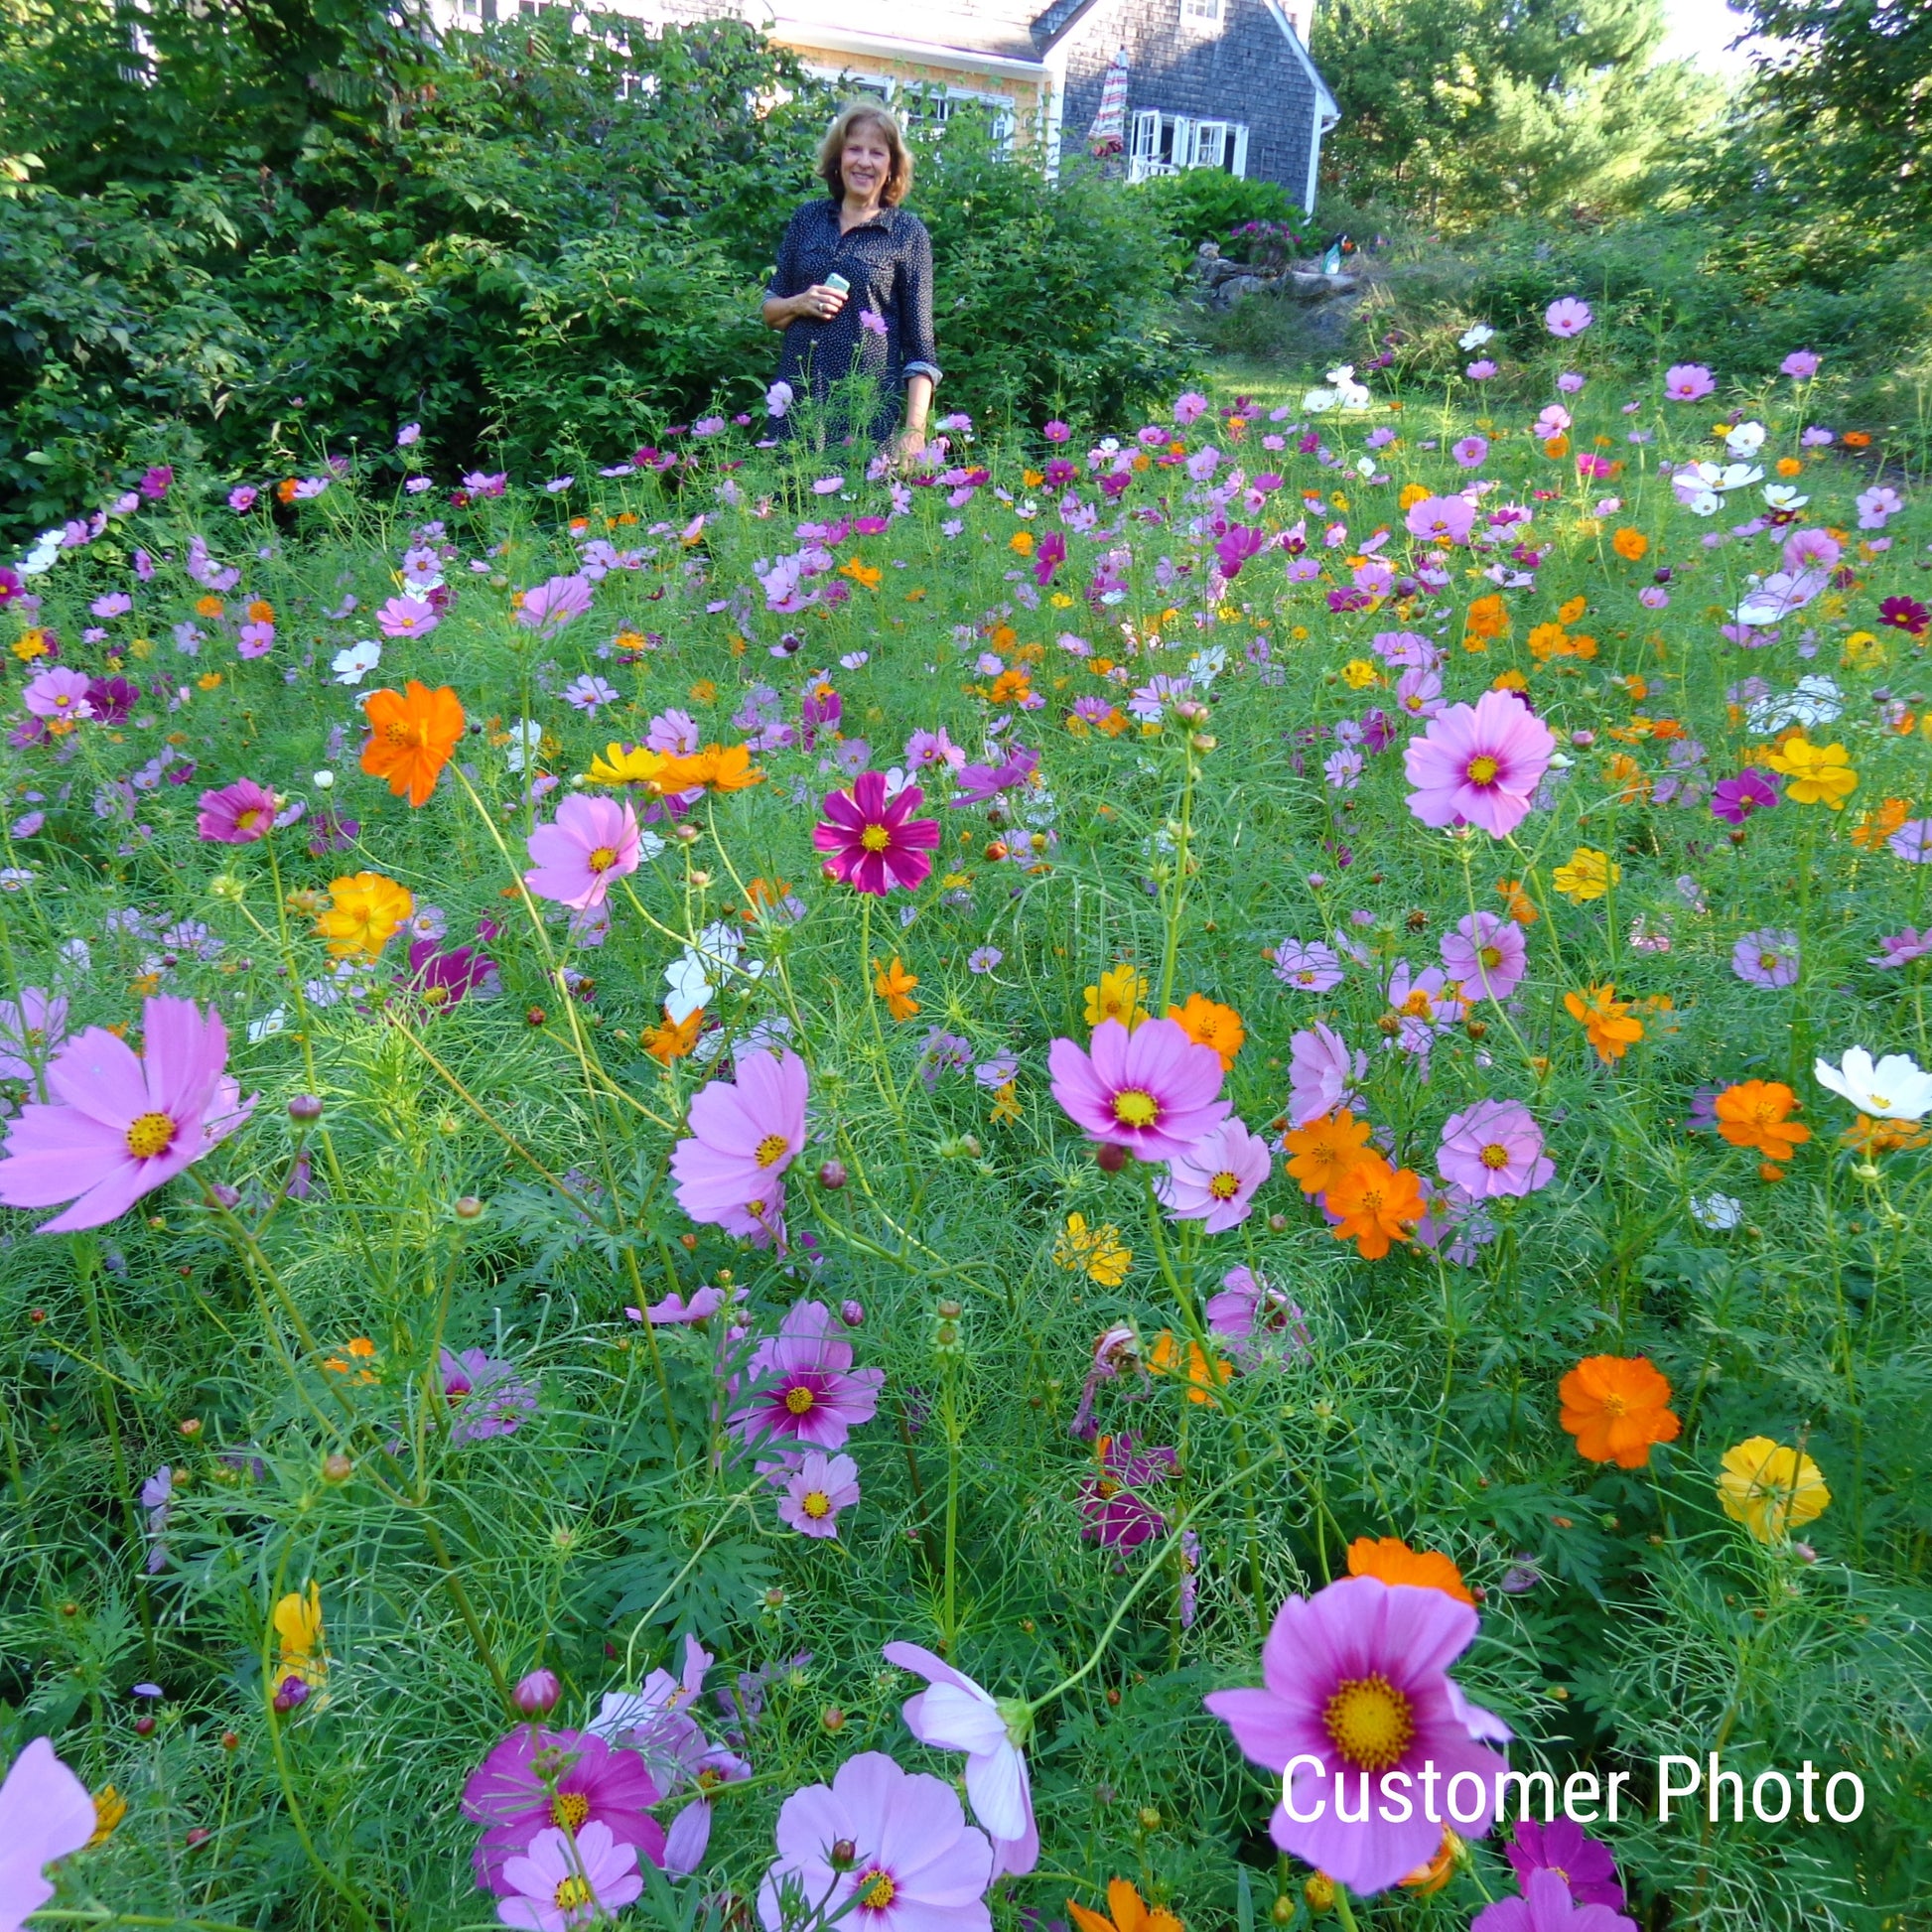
(1183, 142)
(1240, 163)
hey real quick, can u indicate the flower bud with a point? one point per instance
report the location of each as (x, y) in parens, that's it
(290, 1693)
(1282, 1910)
(468, 1207)
(844, 1855)
(537, 1693)
(304, 1108)
(230, 1740)
(833, 1176)
(337, 1468)
(1320, 1891)
(832, 1719)
(1110, 1156)
(144, 1727)
(775, 1598)
(324, 780)
(852, 1313)
(1150, 1819)
(951, 1310)
(191, 1426)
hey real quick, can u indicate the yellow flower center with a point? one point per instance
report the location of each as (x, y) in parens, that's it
(876, 838)
(149, 1135)
(798, 1401)
(400, 733)
(1224, 1186)
(1495, 1156)
(1482, 770)
(570, 1809)
(1370, 1721)
(877, 1890)
(771, 1149)
(248, 820)
(1881, 1102)
(1615, 1407)
(572, 1891)
(1136, 1107)
(1491, 957)
(816, 1504)
(603, 859)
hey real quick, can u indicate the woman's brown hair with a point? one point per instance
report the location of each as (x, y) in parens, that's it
(831, 151)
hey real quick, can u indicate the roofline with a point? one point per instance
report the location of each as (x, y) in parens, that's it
(846, 39)
(1330, 107)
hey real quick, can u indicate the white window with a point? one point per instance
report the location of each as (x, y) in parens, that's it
(1204, 13)
(1170, 144)
(929, 105)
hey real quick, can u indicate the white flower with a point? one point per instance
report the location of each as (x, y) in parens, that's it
(1816, 701)
(1782, 595)
(1317, 402)
(1782, 496)
(1719, 1212)
(1365, 466)
(1893, 1088)
(1475, 336)
(1350, 392)
(324, 780)
(47, 547)
(352, 665)
(526, 735)
(690, 988)
(1746, 440)
(268, 1025)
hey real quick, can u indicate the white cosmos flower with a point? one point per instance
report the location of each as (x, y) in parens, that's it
(1317, 402)
(525, 737)
(1475, 336)
(1816, 701)
(1782, 496)
(352, 665)
(1894, 1088)
(1746, 440)
(1719, 1212)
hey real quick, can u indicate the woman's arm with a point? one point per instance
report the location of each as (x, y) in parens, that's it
(918, 351)
(789, 297)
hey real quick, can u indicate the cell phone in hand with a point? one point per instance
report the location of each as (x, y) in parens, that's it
(837, 284)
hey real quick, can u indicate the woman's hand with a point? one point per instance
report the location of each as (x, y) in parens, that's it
(907, 447)
(815, 304)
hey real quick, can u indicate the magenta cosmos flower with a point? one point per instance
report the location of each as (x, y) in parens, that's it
(559, 1883)
(1494, 1147)
(1356, 1704)
(592, 841)
(238, 814)
(536, 1778)
(1113, 1511)
(805, 1390)
(874, 843)
(915, 1863)
(30, 1030)
(742, 1138)
(45, 1815)
(1582, 1863)
(1479, 765)
(1547, 1905)
(1486, 954)
(1736, 799)
(1151, 1091)
(121, 1123)
(957, 1714)
(816, 1491)
(1214, 1182)
(1568, 316)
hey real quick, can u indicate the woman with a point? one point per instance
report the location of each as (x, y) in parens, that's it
(881, 325)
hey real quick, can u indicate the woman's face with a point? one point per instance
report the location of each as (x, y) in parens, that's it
(866, 163)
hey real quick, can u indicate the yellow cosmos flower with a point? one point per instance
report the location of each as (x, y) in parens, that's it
(1097, 1253)
(1359, 674)
(1817, 774)
(364, 912)
(1771, 1489)
(1118, 997)
(298, 1622)
(109, 1809)
(1589, 875)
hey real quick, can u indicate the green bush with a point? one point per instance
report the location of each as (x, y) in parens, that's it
(1206, 205)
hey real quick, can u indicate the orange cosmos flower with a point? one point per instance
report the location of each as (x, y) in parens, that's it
(673, 1038)
(1616, 1405)
(1208, 1023)
(1632, 546)
(1327, 1150)
(1393, 1562)
(1875, 827)
(894, 984)
(1752, 1114)
(1130, 1914)
(1606, 1021)
(1377, 1204)
(718, 767)
(411, 737)
(1522, 909)
(1433, 1875)
(1202, 1374)
(1488, 618)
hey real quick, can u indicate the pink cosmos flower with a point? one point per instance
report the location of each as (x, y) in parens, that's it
(1189, 407)
(1419, 693)
(1214, 1181)
(1494, 1147)
(407, 616)
(1113, 1511)
(1689, 383)
(804, 1389)
(58, 693)
(1767, 957)
(45, 1815)
(1310, 967)
(255, 639)
(1440, 519)
(1480, 765)
(742, 1137)
(957, 1714)
(1547, 1905)
(1470, 453)
(30, 1030)
(593, 841)
(1247, 1309)
(1582, 1863)
(873, 842)
(549, 606)
(1800, 366)
(1356, 1692)
(1321, 1073)
(1482, 371)
(916, 1866)
(1486, 954)
(238, 814)
(556, 1884)
(1567, 316)
(1153, 1091)
(507, 1794)
(119, 1126)
(816, 1491)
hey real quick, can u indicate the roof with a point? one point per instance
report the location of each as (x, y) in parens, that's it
(1001, 29)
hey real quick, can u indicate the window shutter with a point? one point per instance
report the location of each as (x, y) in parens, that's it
(1239, 164)
(1147, 135)
(1184, 141)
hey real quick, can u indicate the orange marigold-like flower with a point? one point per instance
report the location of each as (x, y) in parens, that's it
(1754, 1114)
(1328, 1148)
(1433, 1875)
(1204, 1376)
(1617, 1405)
(894, 984)
(673, 1038)
(718, 767)
(1391, 1560)
(1875, 827)
(412, 734)
(1130, 1914)
(1488, 619)
(1377, 1204)
(1208, 1023)
(1606, 1020)
(1632, 546)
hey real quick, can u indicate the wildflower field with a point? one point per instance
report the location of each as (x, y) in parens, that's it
(748, 1192)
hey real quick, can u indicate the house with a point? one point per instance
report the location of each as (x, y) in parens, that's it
(1210, 83)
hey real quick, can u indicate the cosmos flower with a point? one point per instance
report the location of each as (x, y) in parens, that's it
(1768, 957)
(30, 1029)
(1756, 1114)
(238, 814)
(485, 1397)
(1214, 1181)
(817, 1491)
(805, 1390)
(1113, 1511)
(1494, 1148)
(1616, 1407)
(1547, 1904)
(1308, 967)
(590, 843)
(743, 1136)
(1564, 1847)
(536, 1778)
(1479, 765)
(1486, 954)
(1391, 1560)
(1893, 1088)
(412, 734)
(872, 842)
(1153, 1091)
(1771, 1489)
(1736, 799)
(562, 1881)
(45, 1815)
(1569, 315)
(1689, 383)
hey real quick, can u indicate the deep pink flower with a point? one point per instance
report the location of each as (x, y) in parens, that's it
(1114, 1513)
(817, 1491)
(873, 842)
(45, 1815)
(916, 1866)
(1494, 1147)
(1547, 1905)
(1153, 1091)
(1736, 799)
(538, 1778)
(743, 1136)
(556, 1884)
(30, 1030)
(487, 1397)
(446, 979)
(1486, 954)
(1569, 315)
(804, 1389)
(593, 841)
(238, 814)
(1356, 1691)
(1904, 613)
(1214, 1181)
(1582, 1863)
(1478, 763)
(1689, 383)
(1321, 1073)
(119, 1126)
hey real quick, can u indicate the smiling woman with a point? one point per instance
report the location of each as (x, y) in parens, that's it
(852, 289)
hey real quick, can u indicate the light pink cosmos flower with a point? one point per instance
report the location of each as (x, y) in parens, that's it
(557, 1884)
(1153, 1091)
(45, 1815)
(1440, 519)
(1494, 1147)
(1568, 316)
(58, 693)
(1356, 1690)
(916, 1866)
(817, 1491)
(1214, 1182)
(957, 1714)
(743, 1136)
(592, 842)
(1486, 954)
(1689, 383)
(30, 1030)
(119, 1126)
(805, 1392)
(549, 606)
(1480, 765)
(1547, 1904)
(407, 616)
(1321, 1073)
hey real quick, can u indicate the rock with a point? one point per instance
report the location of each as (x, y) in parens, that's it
(1221, 270)
(1306, 285)
(1209, 252)
(1235, 286)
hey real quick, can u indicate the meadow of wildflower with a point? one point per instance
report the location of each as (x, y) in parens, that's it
(743, 1189)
